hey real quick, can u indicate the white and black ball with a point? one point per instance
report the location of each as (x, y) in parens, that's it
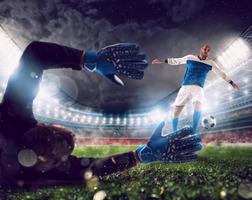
(208, 122)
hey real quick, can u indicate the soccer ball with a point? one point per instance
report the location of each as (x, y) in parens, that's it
(208, 122)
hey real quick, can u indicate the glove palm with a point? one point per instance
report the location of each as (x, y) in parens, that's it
(118, 59)
(179, 146)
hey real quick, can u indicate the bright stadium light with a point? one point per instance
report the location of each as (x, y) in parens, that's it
(138, 121)
(246, 92)
(82, 119)
(131, 121)
(145, 119)
(245, 80)
(104, 120)
(157, 115)
(235, 54)
(89, 119)
(47, 112)
(111, 120)
(118, 120)
(124, 121)
(96, 120)
(9, 54)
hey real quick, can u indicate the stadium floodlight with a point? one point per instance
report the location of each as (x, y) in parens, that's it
(235, 54)
(104, 120)
(246, 92)
(157, 115)
(131, 120)
(145, 119)
(82, 119)
(111, 120)
(138, 121)
(89, 119)
(96, 120)
(118, 120)
(9, 54)
(124, 121)
(230, 98)
(245, 80)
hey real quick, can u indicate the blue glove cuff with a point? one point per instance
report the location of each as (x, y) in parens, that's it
(90, 59)
(144, 154)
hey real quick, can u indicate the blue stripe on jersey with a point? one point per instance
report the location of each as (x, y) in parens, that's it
(196, 73)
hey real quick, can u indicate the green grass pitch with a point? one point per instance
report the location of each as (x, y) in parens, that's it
(219, 173)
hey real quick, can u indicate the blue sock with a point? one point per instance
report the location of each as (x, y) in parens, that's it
(174, 124)
(196, 118)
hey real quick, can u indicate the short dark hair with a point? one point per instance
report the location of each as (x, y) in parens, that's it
(46, 139)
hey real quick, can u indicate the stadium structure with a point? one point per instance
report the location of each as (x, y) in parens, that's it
(232, 109)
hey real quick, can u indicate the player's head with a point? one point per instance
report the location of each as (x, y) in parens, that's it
(52, 145)
(205, 51)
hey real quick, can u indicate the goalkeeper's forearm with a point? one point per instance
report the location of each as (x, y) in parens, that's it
(80, 167)
(38, 56)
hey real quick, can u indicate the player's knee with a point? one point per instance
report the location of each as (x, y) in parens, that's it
(197, 105)
(176, 111)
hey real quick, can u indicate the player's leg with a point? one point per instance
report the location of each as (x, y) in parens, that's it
(175, 116)
(198, 96)
(197, 106)
(180, 101)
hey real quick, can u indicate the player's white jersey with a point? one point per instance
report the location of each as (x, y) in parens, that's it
(210, 62)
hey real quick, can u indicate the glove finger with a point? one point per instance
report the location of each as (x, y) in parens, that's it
(120, 46)
(189, 148)
(115, 79)
(138, 57)
(123, 50)
(158, 132)
(190, 140)
(183, 132)
(131, 73)
(139, 65)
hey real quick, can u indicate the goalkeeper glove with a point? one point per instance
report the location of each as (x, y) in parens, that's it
(176, 147)
(118, 59)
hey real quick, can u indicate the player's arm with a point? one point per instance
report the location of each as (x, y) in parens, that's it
(176, 147)
(83, 168)
(217, 69)
(171, 61)
(23, 84)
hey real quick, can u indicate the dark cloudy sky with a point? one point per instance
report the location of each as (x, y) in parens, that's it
(163, 28)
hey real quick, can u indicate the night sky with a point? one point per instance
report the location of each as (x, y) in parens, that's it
(163, 28)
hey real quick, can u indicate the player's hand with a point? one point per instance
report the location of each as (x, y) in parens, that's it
(118, 59)
(176, 147)
(235, 86)
(157, 61)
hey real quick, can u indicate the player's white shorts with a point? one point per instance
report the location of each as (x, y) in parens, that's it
(189, 92)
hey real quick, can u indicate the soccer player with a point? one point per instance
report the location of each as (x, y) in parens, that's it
(197, 68)
(31, 151)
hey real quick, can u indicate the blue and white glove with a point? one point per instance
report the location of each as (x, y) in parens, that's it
(118, 59)
(176, 147)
